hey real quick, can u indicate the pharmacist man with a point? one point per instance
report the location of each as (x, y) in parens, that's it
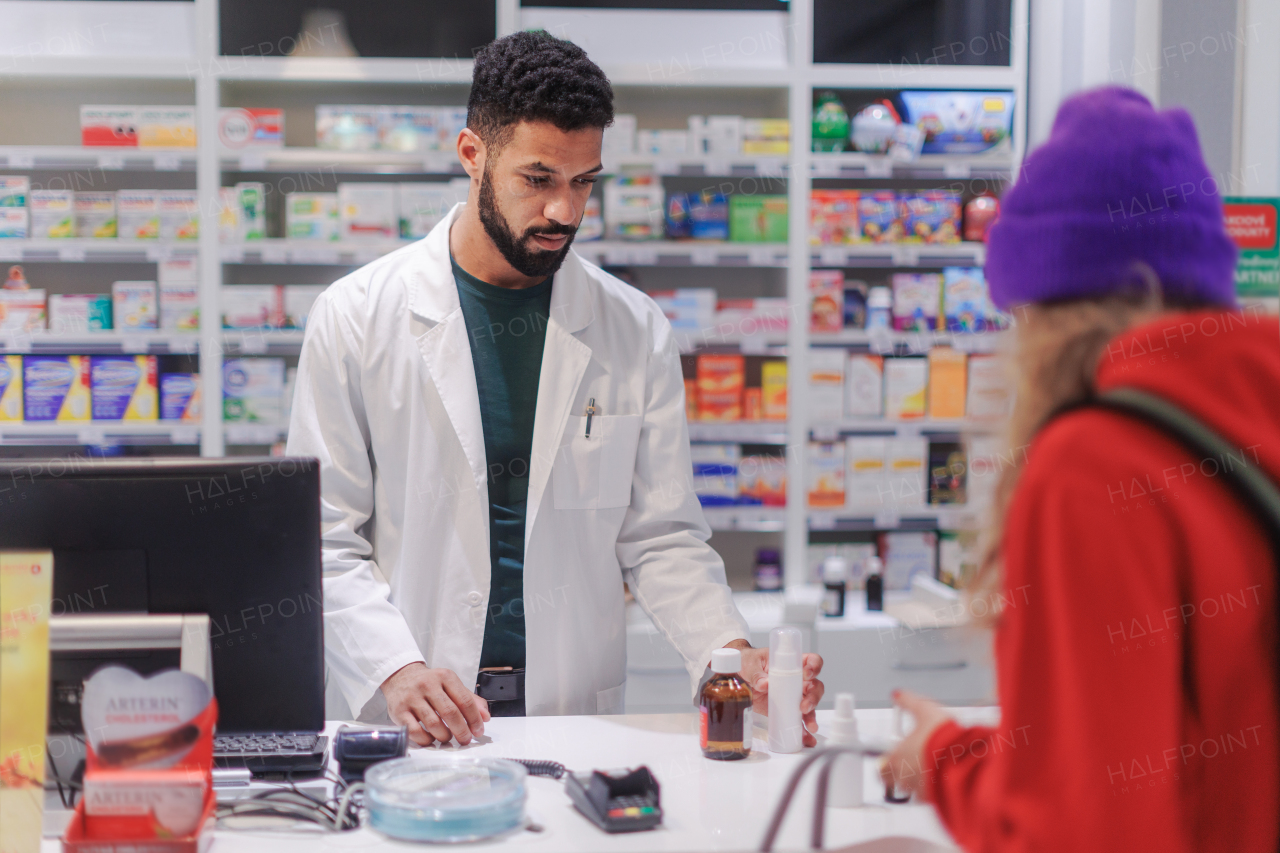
(501, 432)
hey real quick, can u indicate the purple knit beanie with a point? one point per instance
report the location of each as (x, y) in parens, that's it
(1115, 184)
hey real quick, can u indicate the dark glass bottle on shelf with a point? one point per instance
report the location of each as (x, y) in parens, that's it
(874, 583)
(724, 709)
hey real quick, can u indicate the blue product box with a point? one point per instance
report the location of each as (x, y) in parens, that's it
(123, 387)
(55, 387)
(179, 396)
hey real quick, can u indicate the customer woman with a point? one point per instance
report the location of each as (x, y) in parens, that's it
(1136, 639)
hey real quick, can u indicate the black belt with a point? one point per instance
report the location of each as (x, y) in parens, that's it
(503, 689)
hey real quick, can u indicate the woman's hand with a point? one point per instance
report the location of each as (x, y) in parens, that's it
(905, 766)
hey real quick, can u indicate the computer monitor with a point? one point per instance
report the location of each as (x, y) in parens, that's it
(236, 538)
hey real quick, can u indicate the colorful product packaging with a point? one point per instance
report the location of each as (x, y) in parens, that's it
(166, 127)
(253, 390)
(960, 122)
(988, 394)
(179, 212)
(123, 388)
(752, 316)
(407, 128)
(252, 127)
(346, 128)
(931, 216)
(633, 207)
(620, 137)
(826, 384)
(966, 303)
(252, 306)
(864, 386)
(14, 190)
(762, 481)
(95, 215)
(826, 301)
(179, 290)
(948, 378)
(833, 217)
(109, 126)
(14, 223)
(773, 390)
(700, 216)
(917, 301)
(133, 305)
(138, 214)
(721, 378)
(879, 216)
(947, 468)
(180, 397)
(423, 205)
(668, 143)
(79, 313)
(250, 202)
(691, 310)
(367, 211)
(752, 404)
(311, 216)
(228, 215)
(22, 310)
(55, 387)
(763, 136)
(298, 299)
(715, 473)
(758, 218)
(855, 304)
(865, 481)
(826, 474)
(906, 464)
(26, 592)
(907, 553)
(905, 383)
(716, 136)
(10, 388)
(53, 214)
(980, 213)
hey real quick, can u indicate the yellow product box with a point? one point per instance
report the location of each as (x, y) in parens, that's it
(166, 127)
(766, 136)
(773, 390)
(906, 381)
(948, 374)
(55, 388)
(10, 388)
(26, 587)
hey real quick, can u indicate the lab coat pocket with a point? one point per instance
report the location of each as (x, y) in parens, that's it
(613, 700)
(596, 472)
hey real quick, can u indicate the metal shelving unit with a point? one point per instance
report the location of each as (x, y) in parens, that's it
(212, 78)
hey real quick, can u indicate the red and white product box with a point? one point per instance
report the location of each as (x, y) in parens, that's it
(109, 126)
(251, 128)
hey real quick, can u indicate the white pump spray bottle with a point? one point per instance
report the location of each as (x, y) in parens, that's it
(786, 729)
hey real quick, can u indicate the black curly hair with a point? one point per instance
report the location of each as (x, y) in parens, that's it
(534, 76)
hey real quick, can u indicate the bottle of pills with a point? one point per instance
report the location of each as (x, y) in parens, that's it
(725, 709)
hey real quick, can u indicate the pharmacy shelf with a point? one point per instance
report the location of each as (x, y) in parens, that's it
(290, 69)
(682, 253)
(94, 251)
(342, 162)
(261, 341)
(887, 341)
(754, 519)
(60, 157)
(953, 517)
(100, 343)
(914, 75)
(776, 167)
(730, 336)
(255, 433)
(965, 254)
(325, 253)
(831, 430)
(855, 164)
(741, 432)
(97, 433)
(18, 68)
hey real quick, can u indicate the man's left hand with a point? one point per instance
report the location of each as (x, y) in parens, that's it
(755, 671)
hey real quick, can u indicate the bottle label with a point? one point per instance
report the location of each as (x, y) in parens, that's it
(702, 729)
(747, 722)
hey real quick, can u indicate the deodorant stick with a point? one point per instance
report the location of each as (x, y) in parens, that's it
(786, 732)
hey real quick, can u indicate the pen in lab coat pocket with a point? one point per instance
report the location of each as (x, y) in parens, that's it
(591, 410)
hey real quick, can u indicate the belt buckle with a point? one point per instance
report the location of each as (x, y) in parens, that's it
(500, 684)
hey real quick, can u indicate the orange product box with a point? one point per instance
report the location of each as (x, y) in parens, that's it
(752, 404)
(773, 390)
(690, 400)
(948, 372)
(721, 379)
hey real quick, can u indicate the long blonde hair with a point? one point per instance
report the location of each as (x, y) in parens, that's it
(1053, 362)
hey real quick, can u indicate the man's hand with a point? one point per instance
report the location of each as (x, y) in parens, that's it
(434, 705)
(755, 671)
(904, 766)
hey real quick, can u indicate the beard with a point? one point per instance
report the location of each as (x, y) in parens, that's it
(531, 262)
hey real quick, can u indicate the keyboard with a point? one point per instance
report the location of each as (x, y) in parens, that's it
(272, 752)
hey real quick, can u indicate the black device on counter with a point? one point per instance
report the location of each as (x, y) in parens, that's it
(617, 800)
(359, 749)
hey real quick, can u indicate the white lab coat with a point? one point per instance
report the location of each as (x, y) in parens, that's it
(386, 400)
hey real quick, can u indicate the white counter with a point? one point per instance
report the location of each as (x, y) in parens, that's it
(707, 805)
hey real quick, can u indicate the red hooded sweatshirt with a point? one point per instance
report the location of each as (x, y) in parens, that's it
(1136, 654)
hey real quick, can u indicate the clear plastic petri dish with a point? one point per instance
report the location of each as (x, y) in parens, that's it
(445, 797)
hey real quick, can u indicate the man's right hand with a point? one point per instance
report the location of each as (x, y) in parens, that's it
(434, 705)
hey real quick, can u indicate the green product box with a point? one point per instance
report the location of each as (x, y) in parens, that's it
(758, 218)
(1252, 224)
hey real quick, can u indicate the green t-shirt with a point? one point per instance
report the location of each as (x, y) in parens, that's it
(507, 329)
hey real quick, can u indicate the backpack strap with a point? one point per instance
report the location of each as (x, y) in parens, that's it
(1247, 480)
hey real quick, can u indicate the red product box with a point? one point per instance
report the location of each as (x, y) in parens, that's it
(114, 126)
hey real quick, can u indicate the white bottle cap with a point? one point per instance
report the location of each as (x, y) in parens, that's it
(879, 297)
(874, 566)
(726, 661)
(784, 648)
(843, 729)
(835, 569)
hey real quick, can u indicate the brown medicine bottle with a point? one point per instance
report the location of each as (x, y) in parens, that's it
(724, 708)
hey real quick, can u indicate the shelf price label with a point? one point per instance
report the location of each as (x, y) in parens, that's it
(961, 171)
(832, 256)
(879, 167)
(822, 521)
(168, 162)
(111, 162)
(134, 344)
(22, 161)
(905, 254)
(185, 435)
(10, 251)
(886, 519)
(91, 435)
